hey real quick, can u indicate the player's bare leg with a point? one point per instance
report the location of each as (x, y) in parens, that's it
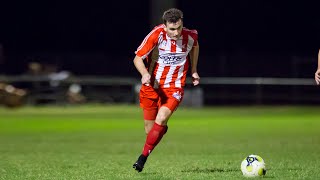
(148, 125)
(163, 116)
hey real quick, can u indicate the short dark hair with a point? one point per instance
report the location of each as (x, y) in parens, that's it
(172, 15)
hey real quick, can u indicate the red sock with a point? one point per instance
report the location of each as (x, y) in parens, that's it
(153, 138)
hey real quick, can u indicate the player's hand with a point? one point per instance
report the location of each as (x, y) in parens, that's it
(146, 79)
(317, 76)
(195, 78)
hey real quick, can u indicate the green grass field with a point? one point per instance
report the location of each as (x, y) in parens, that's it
(103, 141)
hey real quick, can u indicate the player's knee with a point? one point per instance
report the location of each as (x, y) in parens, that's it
(163, 115)
(162, 119)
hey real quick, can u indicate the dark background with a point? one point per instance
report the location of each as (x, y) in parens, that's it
(237, 38)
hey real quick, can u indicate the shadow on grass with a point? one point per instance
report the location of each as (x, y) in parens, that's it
(215, 170)
(208, 170)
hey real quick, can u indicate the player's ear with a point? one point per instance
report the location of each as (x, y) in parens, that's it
(165, 27)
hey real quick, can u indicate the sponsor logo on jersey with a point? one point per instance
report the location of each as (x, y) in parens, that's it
(170, 59)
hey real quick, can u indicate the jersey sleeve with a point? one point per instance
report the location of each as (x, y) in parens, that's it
(194, 35)
(149, 42)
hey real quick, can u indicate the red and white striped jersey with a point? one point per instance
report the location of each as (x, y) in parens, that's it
(167, 59)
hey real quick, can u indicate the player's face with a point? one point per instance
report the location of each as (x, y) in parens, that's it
(174, 29)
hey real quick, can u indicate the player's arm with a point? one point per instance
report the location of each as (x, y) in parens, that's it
(317, 74)
(147, 45)
(139, 64)
(194, 56)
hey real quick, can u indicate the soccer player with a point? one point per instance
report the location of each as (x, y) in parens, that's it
(317, 74)
(167, 50)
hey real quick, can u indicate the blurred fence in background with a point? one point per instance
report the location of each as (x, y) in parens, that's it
(62, 89)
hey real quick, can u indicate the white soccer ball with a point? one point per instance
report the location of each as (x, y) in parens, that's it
(253, 166)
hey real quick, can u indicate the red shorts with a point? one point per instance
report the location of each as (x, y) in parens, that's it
(152, 99)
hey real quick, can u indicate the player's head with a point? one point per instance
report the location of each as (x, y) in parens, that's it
(173, 20)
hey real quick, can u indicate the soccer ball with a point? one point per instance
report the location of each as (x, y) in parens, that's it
(253, 166)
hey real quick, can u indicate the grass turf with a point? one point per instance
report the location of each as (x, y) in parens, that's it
(103, 141)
